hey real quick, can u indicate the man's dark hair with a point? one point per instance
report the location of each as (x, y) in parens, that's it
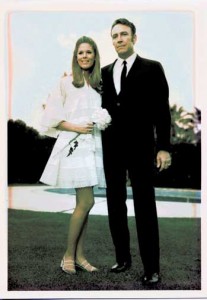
(125, 22)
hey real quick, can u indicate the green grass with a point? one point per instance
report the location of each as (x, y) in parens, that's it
(37, 241)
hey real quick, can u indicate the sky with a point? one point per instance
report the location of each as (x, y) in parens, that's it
(42, 45)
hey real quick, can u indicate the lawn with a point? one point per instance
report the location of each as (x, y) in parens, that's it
(37, 241)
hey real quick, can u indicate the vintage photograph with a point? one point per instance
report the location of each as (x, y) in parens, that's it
(104, 147)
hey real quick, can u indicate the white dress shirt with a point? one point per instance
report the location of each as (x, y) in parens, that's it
(118, 69)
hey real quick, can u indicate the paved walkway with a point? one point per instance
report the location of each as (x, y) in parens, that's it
(48, 199)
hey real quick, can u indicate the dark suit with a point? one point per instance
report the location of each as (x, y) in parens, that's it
(140, 126)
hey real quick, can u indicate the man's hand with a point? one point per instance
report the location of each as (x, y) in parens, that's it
(163, 160)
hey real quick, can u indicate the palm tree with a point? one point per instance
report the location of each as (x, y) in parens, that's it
(185, 126)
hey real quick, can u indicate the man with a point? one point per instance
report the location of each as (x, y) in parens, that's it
(137, 100)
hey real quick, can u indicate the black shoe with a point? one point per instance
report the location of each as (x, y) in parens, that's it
(151, 279)
(122, 267)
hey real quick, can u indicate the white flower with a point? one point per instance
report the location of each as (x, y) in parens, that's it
(101, 118)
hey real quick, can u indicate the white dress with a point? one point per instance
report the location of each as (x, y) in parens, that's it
(84, 167)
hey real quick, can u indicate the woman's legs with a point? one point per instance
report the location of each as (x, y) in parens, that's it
(80, 245)
(78, 224)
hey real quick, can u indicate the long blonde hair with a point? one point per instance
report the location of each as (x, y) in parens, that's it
(95, 75)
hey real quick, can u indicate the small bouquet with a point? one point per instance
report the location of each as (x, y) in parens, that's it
(100, 118)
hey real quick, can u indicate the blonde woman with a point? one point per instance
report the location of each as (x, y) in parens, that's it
(76, 159)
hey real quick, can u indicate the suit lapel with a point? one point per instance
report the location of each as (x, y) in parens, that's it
(111, 78)
(135, 68)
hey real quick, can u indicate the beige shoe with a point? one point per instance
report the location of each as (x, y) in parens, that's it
(86, 266)
(68, 266)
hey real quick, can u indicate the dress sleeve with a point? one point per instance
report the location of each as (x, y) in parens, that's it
(54, 111)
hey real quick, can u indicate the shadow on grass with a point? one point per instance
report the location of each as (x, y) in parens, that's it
(37, 241)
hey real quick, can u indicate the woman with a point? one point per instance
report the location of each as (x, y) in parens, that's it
(76, 159)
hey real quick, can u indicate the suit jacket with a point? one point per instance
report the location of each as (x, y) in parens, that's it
(140, 113)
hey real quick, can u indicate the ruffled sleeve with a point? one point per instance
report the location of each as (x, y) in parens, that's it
(54, 111)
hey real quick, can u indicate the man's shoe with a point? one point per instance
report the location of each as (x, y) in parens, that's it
(151, 279)
(118, 268)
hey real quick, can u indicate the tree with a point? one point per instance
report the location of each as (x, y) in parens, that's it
(185, 171)
(185, 126)
(28, 152)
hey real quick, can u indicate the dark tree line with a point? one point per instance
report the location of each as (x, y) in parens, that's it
(28, 153)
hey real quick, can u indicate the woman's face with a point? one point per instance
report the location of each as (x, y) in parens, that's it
(85, 56)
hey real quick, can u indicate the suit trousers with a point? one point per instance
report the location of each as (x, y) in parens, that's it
(141, 177)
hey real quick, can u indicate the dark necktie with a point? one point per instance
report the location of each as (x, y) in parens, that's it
(123, 74)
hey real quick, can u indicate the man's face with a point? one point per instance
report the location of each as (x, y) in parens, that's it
(123, 40)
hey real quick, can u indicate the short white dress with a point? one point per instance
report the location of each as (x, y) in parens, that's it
(84, 166)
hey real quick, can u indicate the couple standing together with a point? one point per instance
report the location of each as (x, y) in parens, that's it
(134, 91)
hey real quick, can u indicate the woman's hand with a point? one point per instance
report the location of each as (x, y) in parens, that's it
(85, 129)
